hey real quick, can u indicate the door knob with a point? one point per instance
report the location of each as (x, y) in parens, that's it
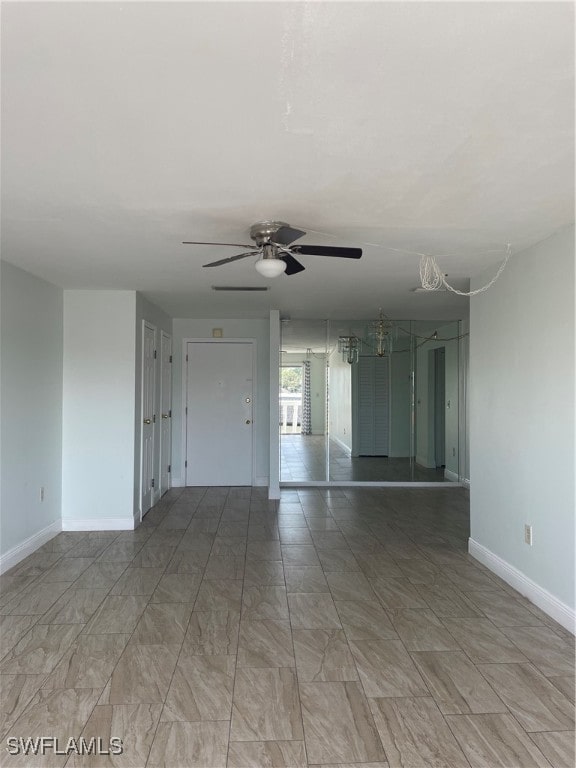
(248, 421)
(147, 421)
(164, 415)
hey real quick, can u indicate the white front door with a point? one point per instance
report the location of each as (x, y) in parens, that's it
(219, 407)
(148, 417)
(165, 411)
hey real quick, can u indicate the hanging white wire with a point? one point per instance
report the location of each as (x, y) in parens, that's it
(432, 277)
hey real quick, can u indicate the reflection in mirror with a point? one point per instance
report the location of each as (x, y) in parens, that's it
(436, 398)
(369, 401)
(303, 401)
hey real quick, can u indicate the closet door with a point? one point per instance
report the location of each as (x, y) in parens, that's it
(373, 398)
(147, 495)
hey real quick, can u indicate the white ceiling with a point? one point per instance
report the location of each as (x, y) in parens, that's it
(129, 127)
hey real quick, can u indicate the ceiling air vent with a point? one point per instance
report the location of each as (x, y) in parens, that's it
(239, 288)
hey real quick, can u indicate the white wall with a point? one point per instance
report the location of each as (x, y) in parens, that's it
(522, 418)
(31, 406)
(99, 407)
(146, 311)
(340, 400)
(233, 329)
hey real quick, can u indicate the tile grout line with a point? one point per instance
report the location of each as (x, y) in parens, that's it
(237, 637)
(294, 649)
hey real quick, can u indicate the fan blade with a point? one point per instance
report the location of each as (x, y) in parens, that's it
(235, 245)
(292, 265)
(286, 235)
(328, 250)
(229, 259)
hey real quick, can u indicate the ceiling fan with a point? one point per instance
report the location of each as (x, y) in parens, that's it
(277, 254)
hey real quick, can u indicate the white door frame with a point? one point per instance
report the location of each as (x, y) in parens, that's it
(211, 340)
(146, 324)
(164, 335)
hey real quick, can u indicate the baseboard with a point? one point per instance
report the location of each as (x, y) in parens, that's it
(545, 600)
(177, 482)
(423, 462)
(28, 546)
(453, 476)
(98, 524)
(365, 484)
(341, 444)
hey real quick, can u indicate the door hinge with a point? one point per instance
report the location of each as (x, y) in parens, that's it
(186, 463)
(155, 355)
(152, 483)
(186, 410)
(170, 359)
(154, 419)
(169, 467)
(170, 414)
(186, 358)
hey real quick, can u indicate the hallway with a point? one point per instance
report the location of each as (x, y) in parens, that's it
(336, 628)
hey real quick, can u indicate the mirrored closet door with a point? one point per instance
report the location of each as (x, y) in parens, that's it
(372, 400)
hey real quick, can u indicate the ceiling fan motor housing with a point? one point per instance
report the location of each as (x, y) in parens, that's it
(263, 231)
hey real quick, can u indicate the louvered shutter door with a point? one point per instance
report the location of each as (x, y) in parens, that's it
(373, 411)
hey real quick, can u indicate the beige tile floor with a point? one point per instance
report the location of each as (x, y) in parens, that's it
(336, 628)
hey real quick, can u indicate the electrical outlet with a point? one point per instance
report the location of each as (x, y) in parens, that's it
(42, 493)
(528, 535)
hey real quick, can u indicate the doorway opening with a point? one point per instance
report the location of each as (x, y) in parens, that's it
(438, 400)
(291, 399)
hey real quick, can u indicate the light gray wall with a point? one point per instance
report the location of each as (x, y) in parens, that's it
(273, 389)
(340, 400)
(99, 405)
(400, 398)
(146, 311)
(522, 414)
(232, 329)
(464, 399)
(31, 405)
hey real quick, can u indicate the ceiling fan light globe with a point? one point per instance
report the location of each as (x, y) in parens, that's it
(270, 267)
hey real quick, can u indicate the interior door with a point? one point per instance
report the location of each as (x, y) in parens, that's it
(165, 412)
(148, 416)
(219, 409)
